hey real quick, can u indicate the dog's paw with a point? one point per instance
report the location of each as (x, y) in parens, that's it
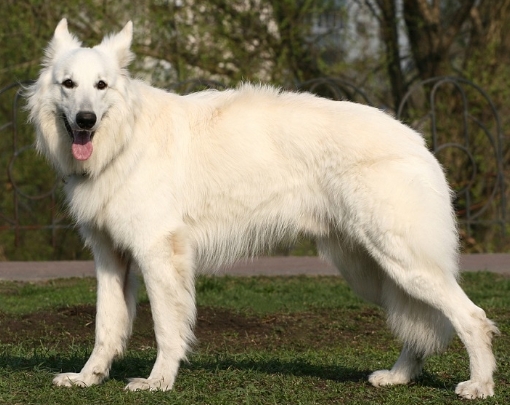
(475, 389)
(76, 379)
(151, 384)
(382, 378)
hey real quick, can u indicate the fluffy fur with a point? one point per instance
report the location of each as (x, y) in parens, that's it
(170, 184)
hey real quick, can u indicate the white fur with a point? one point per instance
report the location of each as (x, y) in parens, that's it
(177, 184)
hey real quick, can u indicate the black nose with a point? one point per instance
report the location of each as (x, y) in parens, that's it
(86, 119)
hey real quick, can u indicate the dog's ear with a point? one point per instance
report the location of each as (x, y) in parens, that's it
(119, 44)
(62, 41)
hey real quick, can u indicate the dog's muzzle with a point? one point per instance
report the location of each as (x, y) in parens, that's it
(81, 137)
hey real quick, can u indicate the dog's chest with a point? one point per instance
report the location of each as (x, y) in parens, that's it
(130, 211)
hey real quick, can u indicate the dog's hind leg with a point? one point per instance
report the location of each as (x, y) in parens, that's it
(116, 308)
(423, 329)
(169, 277)
(429, 302)
(370, 282)
(424, 306)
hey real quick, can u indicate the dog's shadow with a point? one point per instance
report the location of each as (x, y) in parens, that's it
(273, 366)
(131, 366)
(297, 368)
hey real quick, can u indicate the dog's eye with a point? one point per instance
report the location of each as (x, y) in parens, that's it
(101, 85)
(68, 84)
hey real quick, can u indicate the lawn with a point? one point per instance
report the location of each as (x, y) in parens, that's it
(261, 340)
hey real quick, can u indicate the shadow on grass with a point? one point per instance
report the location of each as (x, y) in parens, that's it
(132, 366)
(38, 361)
(297, 368)
(302, 368)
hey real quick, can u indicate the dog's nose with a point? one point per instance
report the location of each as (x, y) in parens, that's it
(86, 119)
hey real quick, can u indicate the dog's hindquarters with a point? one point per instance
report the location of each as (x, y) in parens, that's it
(422, 329)
(400, 252)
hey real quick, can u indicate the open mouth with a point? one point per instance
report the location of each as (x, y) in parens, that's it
(82, 141)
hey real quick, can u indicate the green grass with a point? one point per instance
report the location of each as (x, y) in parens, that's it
(295, 340)
(256, 294)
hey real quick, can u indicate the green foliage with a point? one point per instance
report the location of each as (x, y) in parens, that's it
(277, 41)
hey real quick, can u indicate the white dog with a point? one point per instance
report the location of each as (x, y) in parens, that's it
(171, 184)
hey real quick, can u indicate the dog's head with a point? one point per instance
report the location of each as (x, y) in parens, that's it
(77, 91)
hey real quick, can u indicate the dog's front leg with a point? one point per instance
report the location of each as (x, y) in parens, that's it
(169, 280)
(116, 307)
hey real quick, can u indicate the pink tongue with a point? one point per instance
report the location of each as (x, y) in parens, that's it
(82, 146)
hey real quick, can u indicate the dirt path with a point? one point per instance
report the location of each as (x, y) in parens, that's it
(287, 266)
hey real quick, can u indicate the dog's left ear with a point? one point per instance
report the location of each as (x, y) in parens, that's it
(120, 45)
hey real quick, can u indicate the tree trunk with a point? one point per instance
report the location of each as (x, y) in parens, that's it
(431, 36)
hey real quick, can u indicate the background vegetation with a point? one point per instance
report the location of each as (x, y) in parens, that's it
(381, 46)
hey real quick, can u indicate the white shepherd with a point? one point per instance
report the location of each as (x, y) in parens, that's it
(169, 185)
